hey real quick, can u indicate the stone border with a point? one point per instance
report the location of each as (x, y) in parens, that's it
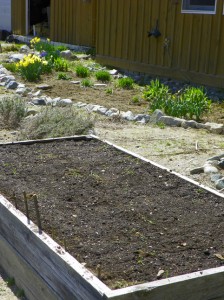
(46, 271)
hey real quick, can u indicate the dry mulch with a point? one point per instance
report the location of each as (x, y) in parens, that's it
(116, 211)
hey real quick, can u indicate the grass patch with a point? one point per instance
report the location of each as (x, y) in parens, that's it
(103, 76)
(63, 76)
(56, 122)
(82, 71)
(126, 83)
(86, 82)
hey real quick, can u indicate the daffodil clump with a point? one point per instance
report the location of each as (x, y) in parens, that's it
(32, 66)
(46, 49)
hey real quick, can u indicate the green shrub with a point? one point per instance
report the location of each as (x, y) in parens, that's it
(82, 71)
(12, 111)
(61, 48)
(55, 122)
(60, 65)
(191, 103)
(126, 83)
(103, 76)
(86, 82)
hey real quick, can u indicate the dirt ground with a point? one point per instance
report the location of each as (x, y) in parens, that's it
(114, 211)
(176, 148)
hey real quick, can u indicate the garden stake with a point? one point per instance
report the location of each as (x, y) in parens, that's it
(37, 212)
(26, 206)
(15, 199)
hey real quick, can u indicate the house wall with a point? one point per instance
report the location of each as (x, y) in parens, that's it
(5, 15)
(73, 21)
(19, 16)
(190, 47)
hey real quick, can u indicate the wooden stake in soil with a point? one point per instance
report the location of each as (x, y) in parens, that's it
(37, 212)
(26, 206)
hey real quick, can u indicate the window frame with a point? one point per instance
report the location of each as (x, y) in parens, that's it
(196, 8)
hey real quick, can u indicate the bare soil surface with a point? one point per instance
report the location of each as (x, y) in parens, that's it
(128, 216)
(162, 237)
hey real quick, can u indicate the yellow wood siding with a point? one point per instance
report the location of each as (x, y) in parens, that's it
(190, 46)
(73, 21)
(19, 16)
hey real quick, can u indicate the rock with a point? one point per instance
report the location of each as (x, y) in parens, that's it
(215, 177)
(102, 110)
(113, 72)
(189, 123)
(39, 101)
(219, 184)
(170, 121)
(156, 115)
(83, 56)
(64, 102)
(24, 49)
(12, 85)
(100, 84)
(81, 104)
(128, 115)
(198, 170)
(221, 164)
(7, 78)
(143, 118)
(215, 128)
(67, 54)
(112, 112)
(160, 274)
(23, 91)
(37, 93)
(16, 57)
(44, 87)
(32, 112)
(75, 81)
(210, 169)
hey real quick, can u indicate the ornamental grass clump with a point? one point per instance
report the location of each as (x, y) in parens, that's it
(126, 83)
(32, 66)
(82, 71)
(103, 76)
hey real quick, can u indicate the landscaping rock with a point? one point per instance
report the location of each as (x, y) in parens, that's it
(23, 91)
(170, 121)
(208, 168)
(112, 112)
(100, 84)
(142, 118)
(44, 87)
(12, 85)
(219, 184)
(102, 110)
(75, 81)
(24, 49)
(215, 177)
(67, 54)
(39, 101)
(156, 115)
(16, 57)
(215, 128)
(37, 94)
(198, 170)
(189, 123)
(113, 72)
(64, 102)
(7, 78)
(128, 115)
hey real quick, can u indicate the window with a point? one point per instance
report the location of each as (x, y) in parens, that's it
(199, 6)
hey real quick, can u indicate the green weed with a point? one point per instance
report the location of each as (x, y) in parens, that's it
(82, 71)
(103, 76)
(86, 83)
(126, 83)
(63, 76)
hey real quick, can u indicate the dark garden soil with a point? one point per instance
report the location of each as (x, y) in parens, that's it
(114, 210)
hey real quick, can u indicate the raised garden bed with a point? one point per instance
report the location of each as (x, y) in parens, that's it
(122, 217)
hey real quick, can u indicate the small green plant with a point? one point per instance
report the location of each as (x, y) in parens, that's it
(60, 65)
(11, 48)
(46, 49)
(10, 281)
(82, 71)
(126, 83)
(103, 76)
(20, 293)
(109, 91)
(63, 76)
(61, 48)
(10, 67)
(12, 111)
(86, 83)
